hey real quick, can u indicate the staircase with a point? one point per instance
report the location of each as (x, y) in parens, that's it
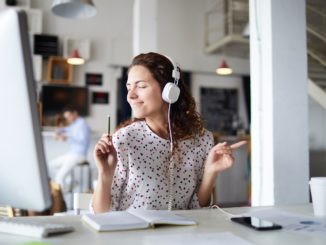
(234, 14)
(316, 48)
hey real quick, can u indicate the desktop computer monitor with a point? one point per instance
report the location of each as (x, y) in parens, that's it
(23, 173)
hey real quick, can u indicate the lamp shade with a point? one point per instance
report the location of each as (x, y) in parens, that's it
(75, 59)
(74, 9)
(224, 69)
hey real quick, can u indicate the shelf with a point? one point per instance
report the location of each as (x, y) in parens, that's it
(59, 71)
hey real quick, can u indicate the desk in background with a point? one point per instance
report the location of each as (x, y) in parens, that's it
(209, 221)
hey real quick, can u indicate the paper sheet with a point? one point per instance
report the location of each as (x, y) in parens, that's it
(216, 238)
(293, 222)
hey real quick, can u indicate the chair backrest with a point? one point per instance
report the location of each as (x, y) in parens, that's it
(58, 202)
(58, 205)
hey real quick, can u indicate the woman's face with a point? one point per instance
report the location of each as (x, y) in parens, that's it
(144, 93)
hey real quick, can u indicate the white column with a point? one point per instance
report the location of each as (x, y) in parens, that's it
(145, 26)
(279, 129)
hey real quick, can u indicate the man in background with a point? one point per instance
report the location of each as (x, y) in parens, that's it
(77, 135)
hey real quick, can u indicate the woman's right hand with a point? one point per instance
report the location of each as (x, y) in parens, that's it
(105, 156)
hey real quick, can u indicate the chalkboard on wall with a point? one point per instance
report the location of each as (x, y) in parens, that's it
(219, 108)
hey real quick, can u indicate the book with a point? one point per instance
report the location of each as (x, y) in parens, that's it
(134, 219)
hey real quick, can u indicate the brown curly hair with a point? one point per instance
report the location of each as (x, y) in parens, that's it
(185, 120)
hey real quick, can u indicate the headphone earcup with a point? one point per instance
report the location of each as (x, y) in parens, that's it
(170, 93)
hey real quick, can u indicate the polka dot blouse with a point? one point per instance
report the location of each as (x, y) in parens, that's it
(141, 179)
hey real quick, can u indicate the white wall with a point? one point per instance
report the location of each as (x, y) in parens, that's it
(181, 36)
(110, 33)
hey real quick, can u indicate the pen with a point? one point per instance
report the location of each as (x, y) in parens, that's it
(109, 126)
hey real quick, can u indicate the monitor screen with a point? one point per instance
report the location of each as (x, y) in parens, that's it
(23, 174)
(55, 98)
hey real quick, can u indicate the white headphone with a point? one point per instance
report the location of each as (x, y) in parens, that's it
(170, 94)
(171, 91)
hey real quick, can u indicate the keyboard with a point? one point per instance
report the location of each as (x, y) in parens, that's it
(32, 228)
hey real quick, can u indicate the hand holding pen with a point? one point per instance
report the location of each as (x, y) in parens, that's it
(104, 153)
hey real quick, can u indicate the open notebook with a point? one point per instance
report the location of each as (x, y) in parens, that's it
(134, 219)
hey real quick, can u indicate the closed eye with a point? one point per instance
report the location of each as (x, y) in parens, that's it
(139, 84)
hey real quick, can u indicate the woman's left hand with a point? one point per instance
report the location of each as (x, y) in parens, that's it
(220, 157)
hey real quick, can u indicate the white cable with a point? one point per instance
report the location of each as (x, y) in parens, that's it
(171, 165)
(171, 176)
(170, 131)
(223, 211)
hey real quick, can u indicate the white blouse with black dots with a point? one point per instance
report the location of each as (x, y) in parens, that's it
(141, 179)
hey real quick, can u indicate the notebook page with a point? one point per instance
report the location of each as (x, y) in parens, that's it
(161, 217)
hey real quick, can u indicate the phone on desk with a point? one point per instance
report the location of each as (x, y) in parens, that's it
(256, 223)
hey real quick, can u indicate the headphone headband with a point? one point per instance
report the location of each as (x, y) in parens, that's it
(171, 91)
(175, 72)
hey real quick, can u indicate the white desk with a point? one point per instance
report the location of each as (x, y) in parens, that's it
(209, 221)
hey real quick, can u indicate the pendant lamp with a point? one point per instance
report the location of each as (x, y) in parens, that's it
(75, 59)
(74, 9)
(224, 69)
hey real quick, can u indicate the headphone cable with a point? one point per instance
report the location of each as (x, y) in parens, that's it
(170, 130)
(171, 165)
(176, 76)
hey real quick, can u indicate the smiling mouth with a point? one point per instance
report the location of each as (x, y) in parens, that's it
(135, 104)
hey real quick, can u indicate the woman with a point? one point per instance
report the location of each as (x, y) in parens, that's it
(144, 166)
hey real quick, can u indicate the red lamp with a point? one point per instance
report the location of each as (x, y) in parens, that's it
(224, 69)
(75, 59)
